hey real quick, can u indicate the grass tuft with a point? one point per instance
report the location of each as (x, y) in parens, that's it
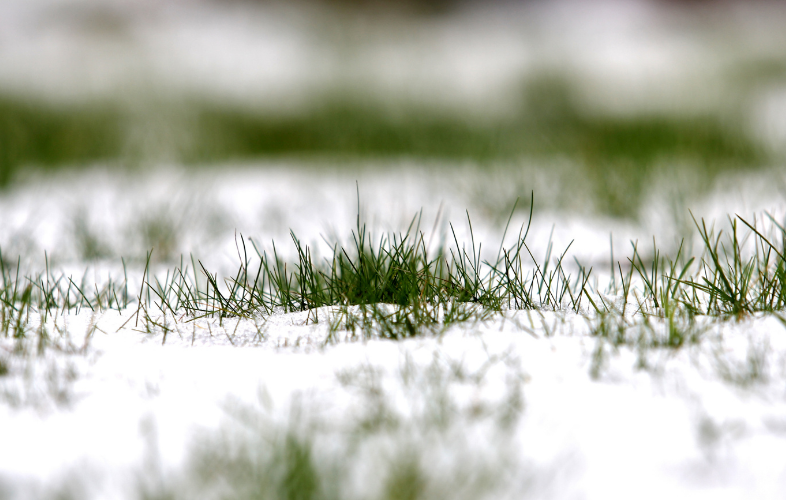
(390, 285)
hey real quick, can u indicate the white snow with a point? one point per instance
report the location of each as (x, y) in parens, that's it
(507, 408)
(517, 394)
(676, 429)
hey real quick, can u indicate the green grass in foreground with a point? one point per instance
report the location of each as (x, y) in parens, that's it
(616, 156)
(398, 285)
(395, 286)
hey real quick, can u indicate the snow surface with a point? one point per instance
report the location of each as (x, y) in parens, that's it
(508, 408)
(512, 403)
(678, 428)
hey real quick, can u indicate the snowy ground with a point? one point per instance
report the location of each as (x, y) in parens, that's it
(503, 409)
(526, 404)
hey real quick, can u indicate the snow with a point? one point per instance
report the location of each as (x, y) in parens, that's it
(517, 406)
(676, 429)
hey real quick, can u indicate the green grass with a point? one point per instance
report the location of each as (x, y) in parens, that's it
(616, 156)
(394, 283)
(736, 275)
(50, 137)
(391, 286)
(401, 285)
(49, 294)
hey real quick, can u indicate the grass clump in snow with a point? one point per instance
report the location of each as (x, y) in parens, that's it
(734, 283)
(47, 293)
(396, 286)
(737, 274)
(665, 303)
(393, 285)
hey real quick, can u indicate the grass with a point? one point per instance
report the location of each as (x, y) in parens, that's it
(391, 285)
(44, 296)
(403, 285)
(400, 285)
(615, 156)
(737, 275)
(53, 136)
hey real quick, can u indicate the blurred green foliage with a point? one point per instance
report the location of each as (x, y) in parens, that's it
(616, 154)
(52, 136)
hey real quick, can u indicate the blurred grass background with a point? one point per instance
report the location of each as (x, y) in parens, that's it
(614, 156)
